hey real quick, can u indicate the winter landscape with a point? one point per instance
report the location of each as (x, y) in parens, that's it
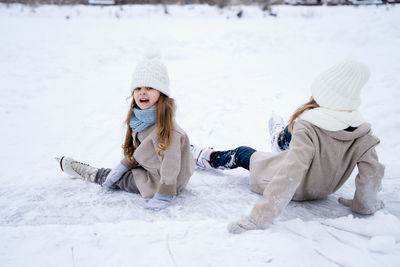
(64, 80)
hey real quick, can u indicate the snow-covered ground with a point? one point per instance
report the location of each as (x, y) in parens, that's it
(64, 79)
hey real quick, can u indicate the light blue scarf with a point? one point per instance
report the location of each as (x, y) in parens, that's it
(142, 118)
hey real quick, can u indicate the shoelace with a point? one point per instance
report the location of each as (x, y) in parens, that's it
(79, 167)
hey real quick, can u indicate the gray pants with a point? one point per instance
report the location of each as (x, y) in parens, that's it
(126, 183)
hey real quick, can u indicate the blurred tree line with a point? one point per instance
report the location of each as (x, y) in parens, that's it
(264, 4)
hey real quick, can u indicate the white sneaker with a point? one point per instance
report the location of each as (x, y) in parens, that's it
(276, 126)
(77, 169)
(202, 156)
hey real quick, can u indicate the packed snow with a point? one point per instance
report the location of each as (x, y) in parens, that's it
(65, 74)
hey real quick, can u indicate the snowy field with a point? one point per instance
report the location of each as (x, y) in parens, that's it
(64, 80)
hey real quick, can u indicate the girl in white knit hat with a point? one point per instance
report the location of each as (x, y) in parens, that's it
(329, 139)
(157, 160)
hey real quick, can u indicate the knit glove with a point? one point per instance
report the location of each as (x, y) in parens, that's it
(114, 175)
(159, 202)
(244, 224)
(349, 203)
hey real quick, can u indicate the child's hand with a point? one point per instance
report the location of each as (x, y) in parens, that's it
(344, 201)
(108, 184)
(159, 202)
(114, 175)
(349, 203)
(242, 225)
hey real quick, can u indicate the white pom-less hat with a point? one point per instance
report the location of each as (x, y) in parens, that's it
(339, 87)
(151, 72)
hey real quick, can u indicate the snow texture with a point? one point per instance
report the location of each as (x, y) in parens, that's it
(65, 75)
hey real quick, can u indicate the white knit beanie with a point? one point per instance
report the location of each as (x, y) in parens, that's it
(151, 72)
(339, 87)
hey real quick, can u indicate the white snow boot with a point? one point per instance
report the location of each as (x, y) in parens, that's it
(276, 126)
(202, 156)
(77, 169)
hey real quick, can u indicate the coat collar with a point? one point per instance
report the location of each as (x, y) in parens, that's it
(342, 135)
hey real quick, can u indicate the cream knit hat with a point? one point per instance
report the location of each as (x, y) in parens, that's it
(151, 72)
(339, 87)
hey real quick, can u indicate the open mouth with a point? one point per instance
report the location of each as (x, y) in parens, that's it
(143, 100)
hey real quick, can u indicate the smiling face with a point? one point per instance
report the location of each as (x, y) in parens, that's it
(145, 97)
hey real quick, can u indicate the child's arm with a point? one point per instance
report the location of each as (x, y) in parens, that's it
(281, 189)
(114, 175)
(169, 171)
(368, 183)
(171, 166)
(130, 164)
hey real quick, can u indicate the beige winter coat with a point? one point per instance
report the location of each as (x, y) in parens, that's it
(317, 164)
(167, 174)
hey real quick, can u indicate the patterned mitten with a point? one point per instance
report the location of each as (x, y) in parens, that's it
(244, 224)
(159, 202)
(114, 175)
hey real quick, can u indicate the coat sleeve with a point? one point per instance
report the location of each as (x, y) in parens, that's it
(171, 166)
(368, 183)
(128, 163)
(283, 185)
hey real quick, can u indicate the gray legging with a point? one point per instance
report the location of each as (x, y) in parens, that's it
(126, 183)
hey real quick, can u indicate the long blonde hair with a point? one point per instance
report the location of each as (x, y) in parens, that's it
(165, 112)
(309, 105)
